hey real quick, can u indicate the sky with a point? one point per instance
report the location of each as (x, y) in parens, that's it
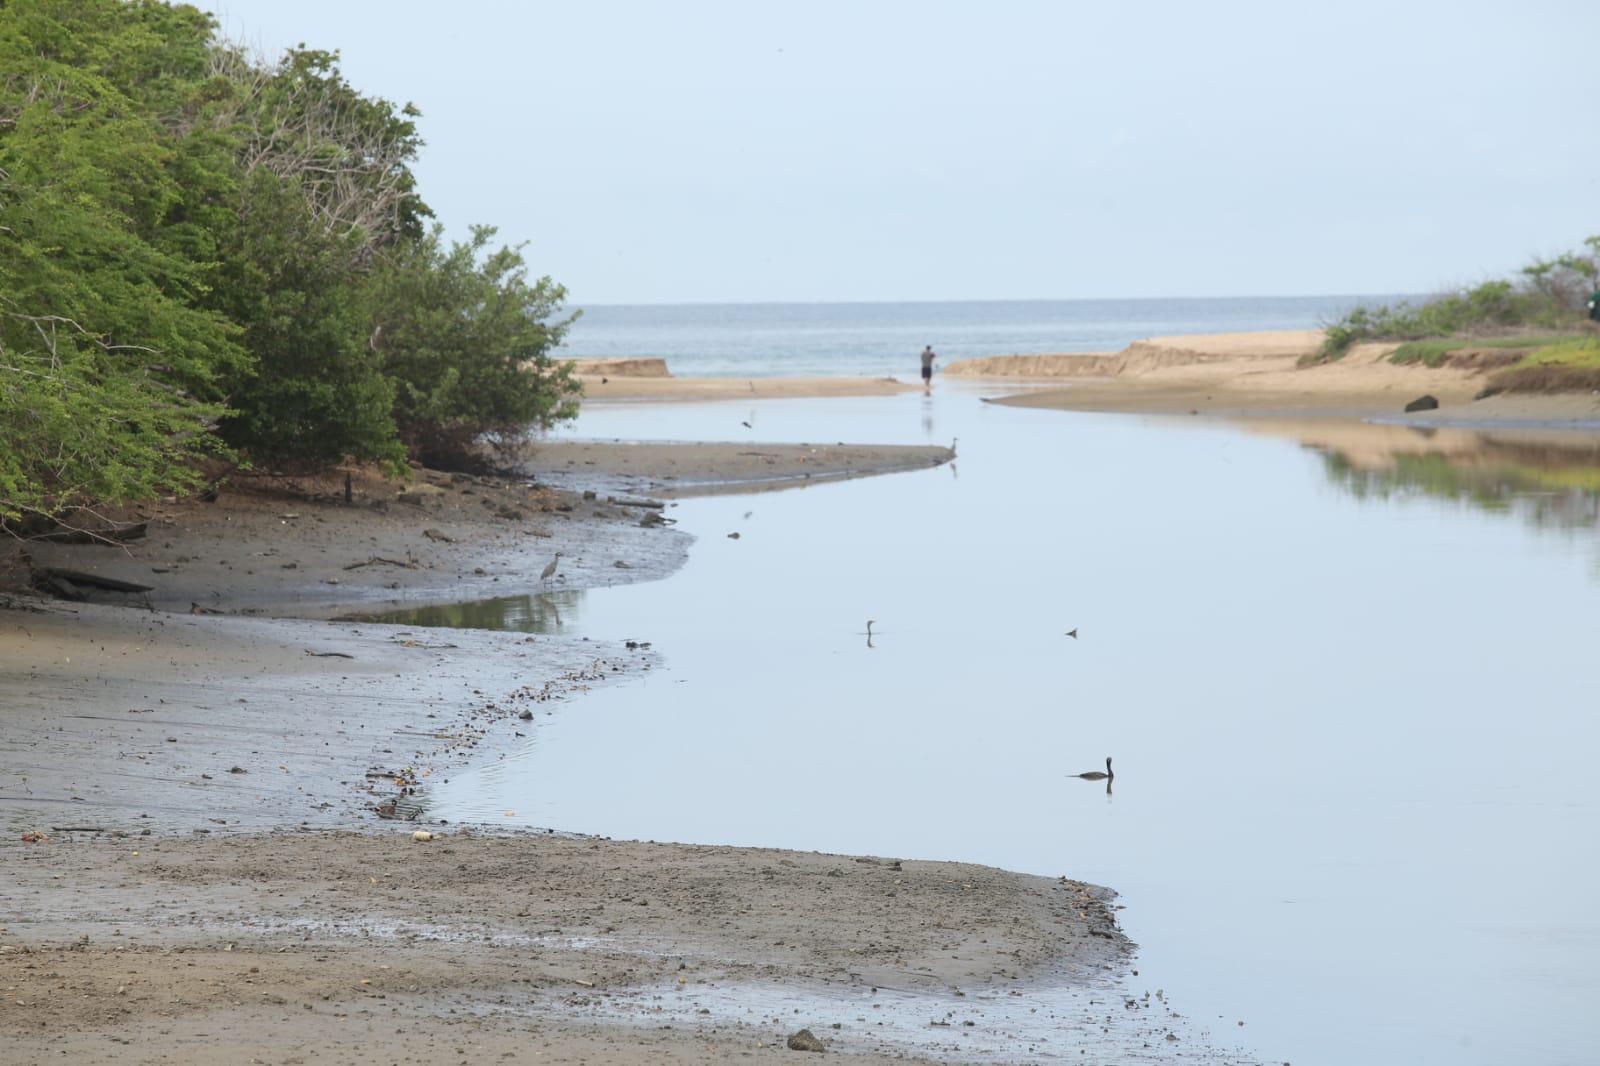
(708, 152)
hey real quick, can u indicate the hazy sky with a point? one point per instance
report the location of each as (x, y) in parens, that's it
(699, 151)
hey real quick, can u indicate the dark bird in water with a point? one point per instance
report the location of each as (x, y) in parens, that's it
(746, 425)
(1096, 775)
(550, 568)
(1073, 632)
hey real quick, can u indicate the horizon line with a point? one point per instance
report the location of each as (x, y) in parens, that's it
(990, 300)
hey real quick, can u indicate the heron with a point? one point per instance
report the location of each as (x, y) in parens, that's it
(550, 568)
(1096, 775)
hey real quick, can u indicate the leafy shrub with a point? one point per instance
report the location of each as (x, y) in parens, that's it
(1550, 294)
(466, 339)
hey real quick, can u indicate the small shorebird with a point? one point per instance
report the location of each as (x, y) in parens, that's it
(550, 568)
(1096, 775)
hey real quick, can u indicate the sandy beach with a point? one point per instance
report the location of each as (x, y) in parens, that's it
(1259, 374)
(605, 389)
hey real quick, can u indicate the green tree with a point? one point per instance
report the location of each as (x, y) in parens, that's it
(466, 339)
(108, 368)
(315, 392)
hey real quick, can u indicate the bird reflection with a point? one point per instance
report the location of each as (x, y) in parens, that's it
(1096, 775)
(550, 605)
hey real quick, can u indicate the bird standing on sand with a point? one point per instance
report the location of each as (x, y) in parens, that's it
(550, 569)
(1096, 775)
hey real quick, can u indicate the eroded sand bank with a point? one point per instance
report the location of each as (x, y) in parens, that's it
(1260, 373)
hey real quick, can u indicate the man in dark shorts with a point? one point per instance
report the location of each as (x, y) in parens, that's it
(927, 367)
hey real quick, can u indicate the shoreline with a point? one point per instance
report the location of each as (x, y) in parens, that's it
(1242, 375)
(658, 389)
(226, 792)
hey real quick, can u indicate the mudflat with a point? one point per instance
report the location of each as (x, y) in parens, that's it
(373, 947)
(217, 845)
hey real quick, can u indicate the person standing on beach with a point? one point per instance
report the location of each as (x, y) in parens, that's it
(927, 367)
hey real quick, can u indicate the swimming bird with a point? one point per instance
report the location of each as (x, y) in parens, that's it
(746, 425)
(1096, 775)
(1073, 632)
(550, 568)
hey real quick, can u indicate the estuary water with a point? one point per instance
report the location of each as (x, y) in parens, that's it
(876, 339)
(1347, 681)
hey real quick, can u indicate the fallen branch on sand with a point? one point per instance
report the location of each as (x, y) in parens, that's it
(329, 654)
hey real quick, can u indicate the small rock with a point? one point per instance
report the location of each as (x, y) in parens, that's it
(421, 836)
(526, 716)
(804, 1041)
(1422, 403)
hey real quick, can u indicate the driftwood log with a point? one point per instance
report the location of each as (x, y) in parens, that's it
(82, 577)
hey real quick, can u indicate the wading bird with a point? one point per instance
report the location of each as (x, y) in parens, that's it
(550, 569)
(1096, 775)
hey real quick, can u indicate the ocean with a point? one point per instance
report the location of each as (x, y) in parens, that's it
(876, 339)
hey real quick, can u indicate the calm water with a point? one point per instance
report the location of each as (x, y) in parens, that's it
(755, 340)
(1351, 701)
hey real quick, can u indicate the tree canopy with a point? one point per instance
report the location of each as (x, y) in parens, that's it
(205, 253)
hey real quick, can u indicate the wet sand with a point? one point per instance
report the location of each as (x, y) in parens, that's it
(703, 468)
(292, 547)
(605, 389)
(227, 803)
(370, 947)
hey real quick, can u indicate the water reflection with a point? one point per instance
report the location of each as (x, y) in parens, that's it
(542, 612)
(1327, 703)
(1549, 480)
